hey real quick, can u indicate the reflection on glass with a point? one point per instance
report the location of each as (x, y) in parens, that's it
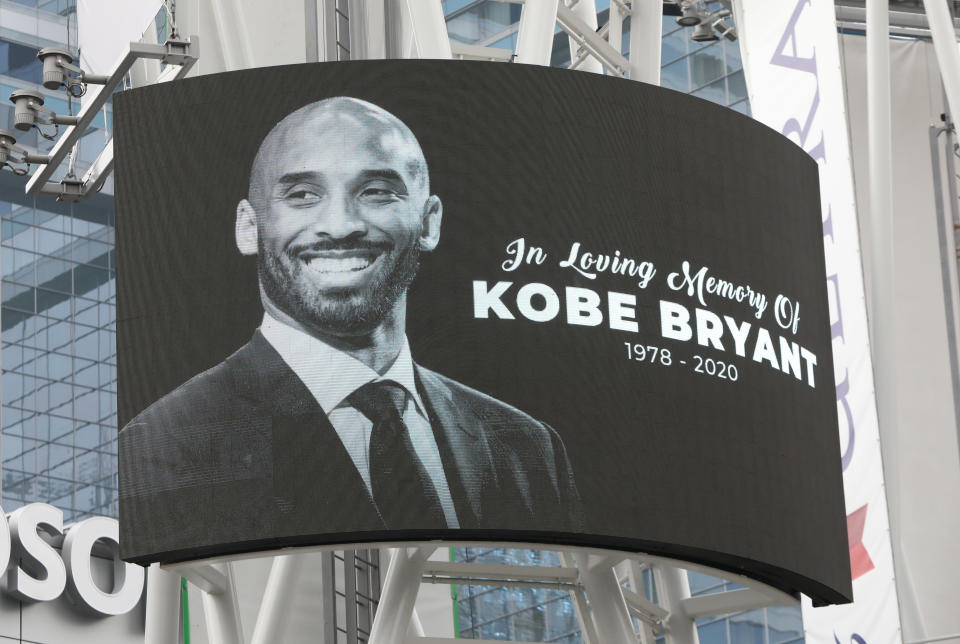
(675, 76)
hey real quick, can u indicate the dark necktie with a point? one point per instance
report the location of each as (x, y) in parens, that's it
(402, 490)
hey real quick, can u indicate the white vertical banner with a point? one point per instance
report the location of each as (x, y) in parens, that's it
(791, 59)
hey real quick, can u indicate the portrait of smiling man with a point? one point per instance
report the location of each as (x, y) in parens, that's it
(323, 422)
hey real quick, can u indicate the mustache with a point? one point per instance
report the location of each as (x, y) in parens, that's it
(340, 245)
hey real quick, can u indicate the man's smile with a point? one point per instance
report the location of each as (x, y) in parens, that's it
(349, 261)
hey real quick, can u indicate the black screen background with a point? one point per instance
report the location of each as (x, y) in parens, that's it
(744, 476)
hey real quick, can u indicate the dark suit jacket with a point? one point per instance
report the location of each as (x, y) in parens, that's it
(242, 458)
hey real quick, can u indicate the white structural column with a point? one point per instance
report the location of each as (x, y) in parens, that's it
(538, 19)
(232, 32)
(399, 594)
(945, 44)
(586, 10)
(219, 597)
(615, 25)
(163, 606)
(429, 29)
(646, 20)
(879, 137)
(672, 588)
(611, 618)
(277, 598)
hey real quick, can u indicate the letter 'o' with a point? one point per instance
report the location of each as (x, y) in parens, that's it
(77, 550)
(551, 305)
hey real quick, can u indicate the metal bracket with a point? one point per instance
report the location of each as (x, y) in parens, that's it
(175, 52)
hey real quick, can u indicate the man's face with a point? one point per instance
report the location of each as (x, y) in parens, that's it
(342, 210)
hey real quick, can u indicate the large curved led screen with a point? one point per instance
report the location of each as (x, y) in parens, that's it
(381, 301)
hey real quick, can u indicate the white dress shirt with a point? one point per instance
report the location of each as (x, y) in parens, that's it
(331, 376)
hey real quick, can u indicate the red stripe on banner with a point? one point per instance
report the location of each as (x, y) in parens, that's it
(860, 561)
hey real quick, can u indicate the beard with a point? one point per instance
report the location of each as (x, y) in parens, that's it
(340, 311)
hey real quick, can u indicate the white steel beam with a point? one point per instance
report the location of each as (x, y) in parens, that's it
(731, 601)
(163, 606)
(447, 640)
(429, 29)
(615, 26)
(500, 572)
(538, 20)
(646, 19)
(611, 617)
(233, 35)
(278, 598)
(474, 52)
(945, 46)
(588, 631)
(207, 577)
(590, 40)
(399, 594)
(220, 610)
(650, 615)
(586, 12)
(672, 589)
(883, 335)
(779, 597)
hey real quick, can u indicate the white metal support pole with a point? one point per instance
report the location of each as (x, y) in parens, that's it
(586, 10)
(429, 29)
(220, 608)
(232, 31)
(610, 614)
(945, 45)
(646, 19)
(882, 272)
(588, 632)
(615, 26)
(672, 588)
(163, 606)
(399, 595)
(538, 20)
(883, 335)
(634, 576)
(277, 598)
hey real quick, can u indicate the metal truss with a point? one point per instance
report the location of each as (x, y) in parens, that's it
(178, 55)
(606, 589)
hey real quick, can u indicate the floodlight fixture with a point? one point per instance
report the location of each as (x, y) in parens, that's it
(10, 152)
(7, 142)
(725, 29)
(28, 110)
(689, 14)
(57, 65)
(704, 32)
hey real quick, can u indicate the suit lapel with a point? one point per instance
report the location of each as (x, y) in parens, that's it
(467, 462)
(316, 485)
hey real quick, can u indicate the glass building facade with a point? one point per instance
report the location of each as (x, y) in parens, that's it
(58, 316)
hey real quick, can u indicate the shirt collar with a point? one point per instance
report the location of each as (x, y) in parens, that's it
(332, 375)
